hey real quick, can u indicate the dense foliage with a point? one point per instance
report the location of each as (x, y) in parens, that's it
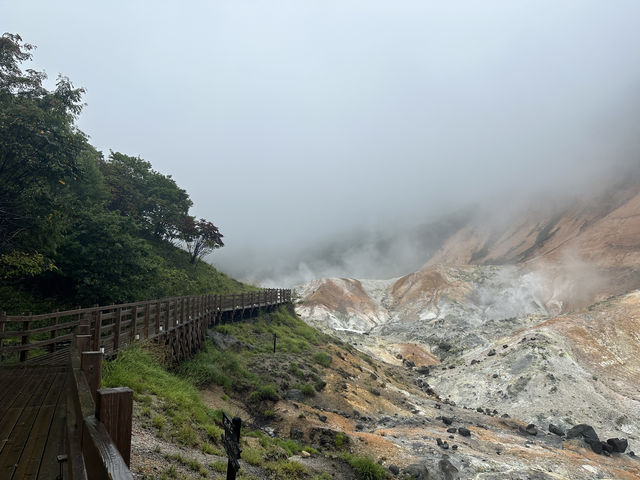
(79, 229)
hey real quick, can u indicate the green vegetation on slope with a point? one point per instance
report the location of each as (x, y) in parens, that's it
(170, 404)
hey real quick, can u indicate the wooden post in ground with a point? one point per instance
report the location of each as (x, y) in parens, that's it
(91, 364)
(114, 408)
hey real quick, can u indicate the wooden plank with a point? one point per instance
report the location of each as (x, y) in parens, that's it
(19, 434)
(33, 331)
(31, 457)
(73, 432)
(24, 383)
(114, 408)
(55, 446)
(35, 345)
(101, 457)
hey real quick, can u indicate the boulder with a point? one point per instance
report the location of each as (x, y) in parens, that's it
(416, 471)
(465, 432)
(223, 341)
(447, 420)
(619, 445)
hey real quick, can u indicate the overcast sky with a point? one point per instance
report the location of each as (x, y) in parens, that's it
(290, 121)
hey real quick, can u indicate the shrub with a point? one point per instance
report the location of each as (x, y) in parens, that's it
(323, 359)
(264, 392)
(365, 468)
(308, 390)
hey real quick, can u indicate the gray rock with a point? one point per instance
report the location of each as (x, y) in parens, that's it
(394, 469)
(619, 445)
(465, 432)
(556, 430)
(448, 470)
(416, 471)
(223, 341)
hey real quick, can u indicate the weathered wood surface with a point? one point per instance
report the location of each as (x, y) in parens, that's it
(32, 421)
(37, 338)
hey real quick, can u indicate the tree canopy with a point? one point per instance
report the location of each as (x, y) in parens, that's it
(74, 225)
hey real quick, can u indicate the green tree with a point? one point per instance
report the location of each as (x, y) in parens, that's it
(39, 148)
(102, 260)
(200, 236)
(152, 199)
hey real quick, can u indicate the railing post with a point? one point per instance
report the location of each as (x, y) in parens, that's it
(97, 313)
(158, 315)
(116, 331)
(134, 323)
(83, 343)
(147, 319)
(91, 364)
(114, 408)
(52, 335)
(25, 339)
(3, 320)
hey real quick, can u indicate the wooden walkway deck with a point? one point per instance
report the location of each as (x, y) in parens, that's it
(48, 405)
(32, 421)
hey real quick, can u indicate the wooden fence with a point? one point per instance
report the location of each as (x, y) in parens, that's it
(43, 338)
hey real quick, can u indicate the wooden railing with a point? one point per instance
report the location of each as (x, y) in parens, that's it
(98, 430)
(39, 338)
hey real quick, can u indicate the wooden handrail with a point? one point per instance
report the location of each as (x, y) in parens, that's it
(114, 325)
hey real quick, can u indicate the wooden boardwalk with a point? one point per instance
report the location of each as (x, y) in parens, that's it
(49, 378)
(32, 421)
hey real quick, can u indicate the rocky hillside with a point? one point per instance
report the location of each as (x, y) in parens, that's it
(532, 319)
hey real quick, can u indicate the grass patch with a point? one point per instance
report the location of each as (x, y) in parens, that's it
(365, 468)
(181, 404)
(323, 359)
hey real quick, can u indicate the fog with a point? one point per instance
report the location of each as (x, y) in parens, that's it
(302, 128)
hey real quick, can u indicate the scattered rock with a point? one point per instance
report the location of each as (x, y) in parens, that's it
(491, 353)
(224, 341)
(447, 420)
(452, 430)
(619, 445)
(465, 432)
(394, 469)
(556, 430)
(449, 471)
(529, 430)
(423, 370)
(408, 363)
(305, 454)
(473, 362)
(495, 375)
(416, 471)
(322, 418)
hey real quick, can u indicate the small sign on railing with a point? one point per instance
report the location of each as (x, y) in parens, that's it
(231, 442)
